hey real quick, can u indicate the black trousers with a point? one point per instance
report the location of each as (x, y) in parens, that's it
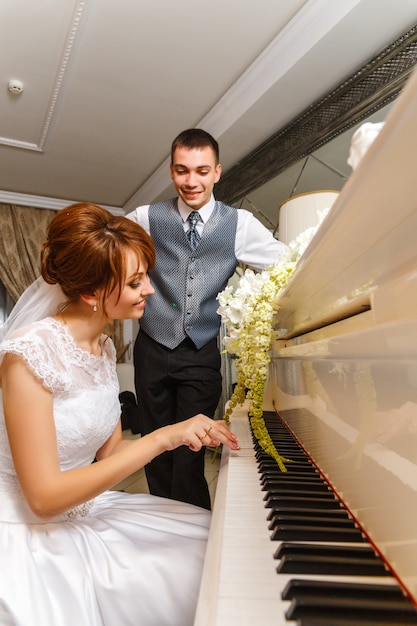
(173, 385)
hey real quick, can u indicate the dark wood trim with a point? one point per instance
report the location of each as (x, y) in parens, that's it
(373, 86)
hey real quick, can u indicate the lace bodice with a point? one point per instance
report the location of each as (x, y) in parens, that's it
(84, 389)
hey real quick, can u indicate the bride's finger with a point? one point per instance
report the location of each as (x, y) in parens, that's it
(198, 441)
(227, 438)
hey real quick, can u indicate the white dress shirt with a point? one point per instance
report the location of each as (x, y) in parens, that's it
(254, 244)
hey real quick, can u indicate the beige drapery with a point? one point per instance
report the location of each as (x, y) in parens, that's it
(22, 234)
(23, 230)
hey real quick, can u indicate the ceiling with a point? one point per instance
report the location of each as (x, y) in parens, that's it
(108, 84)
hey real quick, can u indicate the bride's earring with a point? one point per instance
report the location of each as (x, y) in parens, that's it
(95, 307)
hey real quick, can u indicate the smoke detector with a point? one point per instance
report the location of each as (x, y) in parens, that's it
(16, 86)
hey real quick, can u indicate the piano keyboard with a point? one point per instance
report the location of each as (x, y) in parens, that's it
(283, 550)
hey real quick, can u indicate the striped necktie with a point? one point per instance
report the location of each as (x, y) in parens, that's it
(192, 234)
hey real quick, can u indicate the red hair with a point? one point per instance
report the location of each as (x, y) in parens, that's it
(86, 250)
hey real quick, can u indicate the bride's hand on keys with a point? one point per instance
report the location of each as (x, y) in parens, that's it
(200, 431)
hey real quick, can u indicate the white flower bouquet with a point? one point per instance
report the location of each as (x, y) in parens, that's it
(248, 314)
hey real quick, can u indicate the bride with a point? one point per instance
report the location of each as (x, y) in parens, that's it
(73, 552)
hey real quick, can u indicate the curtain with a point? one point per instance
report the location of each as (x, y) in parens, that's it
(23, 231)
(22, 234)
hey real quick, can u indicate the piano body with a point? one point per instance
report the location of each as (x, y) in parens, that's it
(343, 383)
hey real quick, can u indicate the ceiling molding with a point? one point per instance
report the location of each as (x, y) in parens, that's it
(76, 21)
(23, 145)
(42, 202)
(63, 65)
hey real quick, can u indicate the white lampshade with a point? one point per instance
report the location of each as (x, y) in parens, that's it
(302, 211)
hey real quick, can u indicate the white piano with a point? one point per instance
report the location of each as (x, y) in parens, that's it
(343, 378)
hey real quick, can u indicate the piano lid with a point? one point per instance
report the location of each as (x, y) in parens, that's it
(367, 241)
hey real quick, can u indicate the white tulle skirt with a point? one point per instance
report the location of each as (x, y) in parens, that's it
(134, 560)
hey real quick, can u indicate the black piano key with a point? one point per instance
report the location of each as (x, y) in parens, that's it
(298, 489)
(266, 464)
(343, 620)
(297, 465)
(262, 457)
(310, 520)
(331, 566)
(285, 440)
(272, 476)
(287, 450)
(297, 588)
(268, 484)
(293, 452)
(390, 611)
(301, 501)
(288, 447)
(301, 532)
(306, 487)
(296, 470)
(364, 551)
(327, 513)
(304, 467)
(299, 468)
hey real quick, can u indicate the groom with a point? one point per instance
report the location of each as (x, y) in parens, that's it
(199, 241)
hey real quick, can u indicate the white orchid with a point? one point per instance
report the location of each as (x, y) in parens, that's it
(248, 313)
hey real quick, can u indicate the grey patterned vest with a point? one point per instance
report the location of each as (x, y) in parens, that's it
(187, 281)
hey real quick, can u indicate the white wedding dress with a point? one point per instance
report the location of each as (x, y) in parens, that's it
(119, 560)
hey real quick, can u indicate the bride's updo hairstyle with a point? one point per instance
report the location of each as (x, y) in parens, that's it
(86, 249)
